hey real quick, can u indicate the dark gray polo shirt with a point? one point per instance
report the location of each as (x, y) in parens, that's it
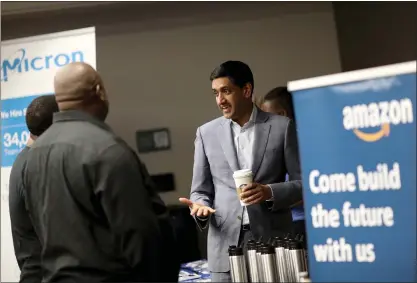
(25, 241)
(94, 208)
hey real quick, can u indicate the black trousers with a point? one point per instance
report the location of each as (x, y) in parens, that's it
(244, 237)
(299, 227)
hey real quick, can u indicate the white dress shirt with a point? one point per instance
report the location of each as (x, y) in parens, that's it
(244, 138)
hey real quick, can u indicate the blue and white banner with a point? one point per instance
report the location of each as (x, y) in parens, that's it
(357, 139)
(28, 66)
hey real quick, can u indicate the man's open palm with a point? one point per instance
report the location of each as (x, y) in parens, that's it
(197, 209)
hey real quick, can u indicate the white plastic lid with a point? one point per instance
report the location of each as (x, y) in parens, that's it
(242, 173)
(303, 274)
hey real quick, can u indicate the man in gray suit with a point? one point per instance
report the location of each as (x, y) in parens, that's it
(244, 138)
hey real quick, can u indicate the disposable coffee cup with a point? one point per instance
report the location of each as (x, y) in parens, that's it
(242, 178)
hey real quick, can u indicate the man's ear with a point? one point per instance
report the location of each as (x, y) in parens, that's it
(100, 92)
(247, 90)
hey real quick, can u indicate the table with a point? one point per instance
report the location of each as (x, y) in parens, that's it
(196, 271)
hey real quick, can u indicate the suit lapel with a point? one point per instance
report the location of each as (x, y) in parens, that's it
(227, 143)
(262, 130)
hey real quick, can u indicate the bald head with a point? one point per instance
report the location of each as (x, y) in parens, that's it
(79, 87)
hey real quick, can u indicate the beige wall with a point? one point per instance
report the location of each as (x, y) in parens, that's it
(156, 65)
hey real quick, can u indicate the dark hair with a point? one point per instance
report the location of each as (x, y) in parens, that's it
(282, 96)
(238, 73)
(39, 114)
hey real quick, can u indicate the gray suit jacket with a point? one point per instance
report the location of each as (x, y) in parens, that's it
(215, 160)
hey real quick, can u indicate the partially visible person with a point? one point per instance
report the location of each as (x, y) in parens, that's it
(279, 101)
(92, 202)
(26, 244)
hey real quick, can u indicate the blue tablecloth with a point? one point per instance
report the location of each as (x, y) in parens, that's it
(195, 271)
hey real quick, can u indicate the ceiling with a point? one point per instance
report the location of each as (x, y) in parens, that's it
(22, 19)
(17, 8)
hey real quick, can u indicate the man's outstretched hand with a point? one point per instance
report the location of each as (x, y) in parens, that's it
(197, 209)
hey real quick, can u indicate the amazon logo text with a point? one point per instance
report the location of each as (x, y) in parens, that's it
(371, 122)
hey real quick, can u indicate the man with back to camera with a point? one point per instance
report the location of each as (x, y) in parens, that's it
(244, 138)
(26, 243)
(91, 200)
(279, 101)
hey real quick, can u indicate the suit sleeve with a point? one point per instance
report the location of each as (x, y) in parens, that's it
(127, 204)
(288, 193)
(202, 188)
(26, 243)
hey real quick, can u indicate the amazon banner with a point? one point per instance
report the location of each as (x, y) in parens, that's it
(357, 142)
(28, 66)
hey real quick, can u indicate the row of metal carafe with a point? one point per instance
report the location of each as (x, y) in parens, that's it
(278, 260)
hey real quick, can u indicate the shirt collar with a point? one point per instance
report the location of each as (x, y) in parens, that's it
(252, 118)
(77, 115)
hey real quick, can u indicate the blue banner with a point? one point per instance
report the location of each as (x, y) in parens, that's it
(14, 132)
(358, 154)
